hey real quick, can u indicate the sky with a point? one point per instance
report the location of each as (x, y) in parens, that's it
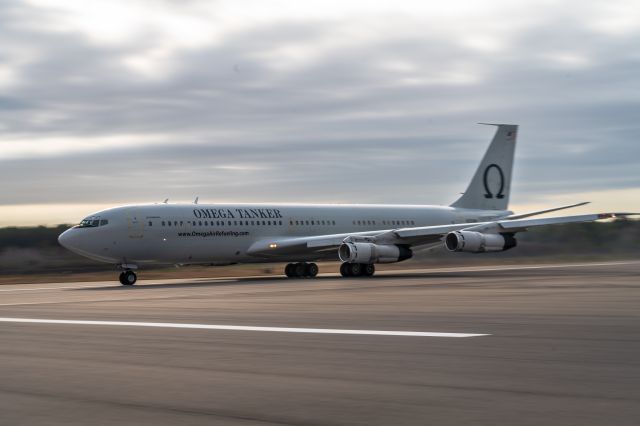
(115, 102)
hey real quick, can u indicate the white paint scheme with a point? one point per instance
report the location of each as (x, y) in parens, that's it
(129, 239)
(498, 160)
(219, 234)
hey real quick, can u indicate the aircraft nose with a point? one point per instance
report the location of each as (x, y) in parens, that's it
(66, 239)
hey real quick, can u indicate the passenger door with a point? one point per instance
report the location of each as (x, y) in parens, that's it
(135, 224)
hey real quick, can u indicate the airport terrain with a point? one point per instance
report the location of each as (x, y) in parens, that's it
(555, 345)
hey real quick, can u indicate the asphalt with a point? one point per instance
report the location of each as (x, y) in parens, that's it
(561, 347)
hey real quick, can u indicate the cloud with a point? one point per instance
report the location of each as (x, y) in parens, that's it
(140, 101)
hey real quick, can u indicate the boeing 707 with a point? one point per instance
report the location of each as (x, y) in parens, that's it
(360, 236)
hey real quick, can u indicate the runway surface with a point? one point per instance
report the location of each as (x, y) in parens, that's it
(483, 346)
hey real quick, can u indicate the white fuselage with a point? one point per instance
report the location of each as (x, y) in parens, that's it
(223, 233)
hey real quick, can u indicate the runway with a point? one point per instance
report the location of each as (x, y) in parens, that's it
(538, 345)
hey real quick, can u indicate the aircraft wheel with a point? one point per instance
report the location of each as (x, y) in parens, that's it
(312, 270)
(128, 278)
(355, 269)
(289, 270)
(300, 269)
(344, 270)
(368, 270)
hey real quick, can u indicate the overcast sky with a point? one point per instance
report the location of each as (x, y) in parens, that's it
(115, 102)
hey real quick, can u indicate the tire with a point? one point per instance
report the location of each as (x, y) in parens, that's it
(344, 270)
(288, 270)
(355, 269)
(312, 270)
(300, 269)
(121, 278)
(368, 270)
(129, 278)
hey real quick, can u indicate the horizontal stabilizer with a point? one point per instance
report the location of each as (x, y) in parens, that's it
(539, 212)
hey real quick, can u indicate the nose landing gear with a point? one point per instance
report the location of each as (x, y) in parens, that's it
(128, 278)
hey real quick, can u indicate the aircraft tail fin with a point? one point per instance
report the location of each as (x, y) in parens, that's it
(491, 184)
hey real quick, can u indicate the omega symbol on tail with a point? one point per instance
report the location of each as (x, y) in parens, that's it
(489, 194)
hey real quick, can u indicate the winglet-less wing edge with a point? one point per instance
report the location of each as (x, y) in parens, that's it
(414, 236)
(539, 212)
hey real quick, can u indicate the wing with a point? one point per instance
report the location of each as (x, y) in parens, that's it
(539, 212)
(325, 246)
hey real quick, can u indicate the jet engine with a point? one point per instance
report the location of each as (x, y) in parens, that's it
(373, 253)
(477, 242)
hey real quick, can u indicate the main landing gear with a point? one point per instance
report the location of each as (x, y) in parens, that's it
(357, 269)
(302, 269)
(128, 278)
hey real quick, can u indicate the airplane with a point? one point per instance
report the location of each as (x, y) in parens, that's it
(360, 236)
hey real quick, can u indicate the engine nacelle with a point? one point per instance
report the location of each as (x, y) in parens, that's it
(373, 253)
(477, 242)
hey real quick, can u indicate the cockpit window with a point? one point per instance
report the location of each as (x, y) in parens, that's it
(93, 223)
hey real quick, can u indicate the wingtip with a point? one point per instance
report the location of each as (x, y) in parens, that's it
(497, 124)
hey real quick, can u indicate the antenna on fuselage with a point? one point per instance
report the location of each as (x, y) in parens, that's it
(196, 200)
(166, 201)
